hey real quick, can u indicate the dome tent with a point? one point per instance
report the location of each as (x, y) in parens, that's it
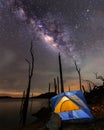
(70, 106)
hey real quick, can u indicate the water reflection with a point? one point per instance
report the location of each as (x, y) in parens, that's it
(9, 112)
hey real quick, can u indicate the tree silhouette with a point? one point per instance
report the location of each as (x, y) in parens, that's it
(61, 74)
(49, 87)
(30, 74)
(79, 74)
(83, 89)
(58, 89)
(55, 85)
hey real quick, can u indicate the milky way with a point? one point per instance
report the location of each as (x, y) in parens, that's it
(50, 28)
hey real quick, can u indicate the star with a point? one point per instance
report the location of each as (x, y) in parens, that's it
(88, 10)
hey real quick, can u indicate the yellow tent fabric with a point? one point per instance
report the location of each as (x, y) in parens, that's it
(65, 104)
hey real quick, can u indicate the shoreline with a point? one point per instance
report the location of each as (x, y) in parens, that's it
(97, 111)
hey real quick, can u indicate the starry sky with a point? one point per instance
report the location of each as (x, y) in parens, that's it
(75, 28)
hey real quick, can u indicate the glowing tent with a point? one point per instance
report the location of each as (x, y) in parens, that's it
(71, 105)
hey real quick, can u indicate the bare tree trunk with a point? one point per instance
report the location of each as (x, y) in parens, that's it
(69, 88)
(61, 75)
(26, 101)
(79, 74)
(58, 85)
(31, 103)
(49, 87)
(83, 89)
(21, 107)
(55, 86)
(22, 102)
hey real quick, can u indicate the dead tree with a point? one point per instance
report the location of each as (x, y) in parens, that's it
(99, 77)
(31, 103)
(21, 107)
(83, 89)
(61, 74)
(79, 74)
(58, 85)
(49, 88)
(69, 88)
(30, 74)
(55, 85)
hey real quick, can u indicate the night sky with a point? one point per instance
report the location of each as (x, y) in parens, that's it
(75, 28)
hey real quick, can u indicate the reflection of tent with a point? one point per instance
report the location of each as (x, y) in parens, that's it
(71, 105)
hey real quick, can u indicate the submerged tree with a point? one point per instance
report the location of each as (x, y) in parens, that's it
(21, 107)
(61, 74)
(30, 74)
(79, 74)
(49, 88)
(69, 88)
(83, 88)
(58, 89)
(55, 85)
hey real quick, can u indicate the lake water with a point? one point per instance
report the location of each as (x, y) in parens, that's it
(9, 112)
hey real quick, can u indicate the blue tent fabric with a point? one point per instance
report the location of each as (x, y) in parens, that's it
(76, 97)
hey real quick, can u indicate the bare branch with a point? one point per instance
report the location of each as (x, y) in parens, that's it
(78, 69)
(79, 74)
(32, 56)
